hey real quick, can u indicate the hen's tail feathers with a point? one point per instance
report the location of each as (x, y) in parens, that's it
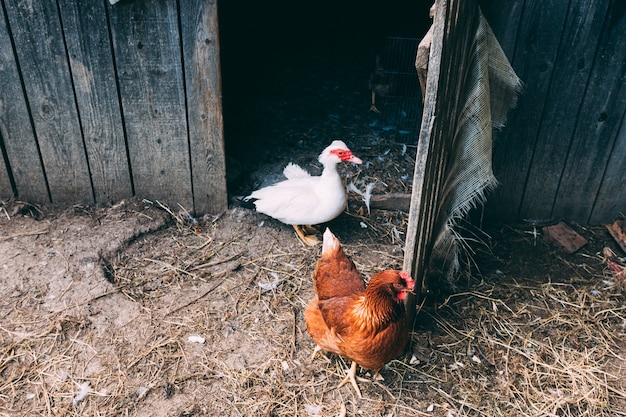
(331, 243)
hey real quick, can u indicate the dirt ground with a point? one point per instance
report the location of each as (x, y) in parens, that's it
(142, 310)
(157, 317)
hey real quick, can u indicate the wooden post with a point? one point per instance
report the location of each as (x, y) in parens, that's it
(452, 34)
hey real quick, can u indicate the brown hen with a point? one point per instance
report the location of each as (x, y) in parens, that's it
(367, 325)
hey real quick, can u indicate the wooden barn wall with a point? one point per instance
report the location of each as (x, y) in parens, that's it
(100, 103)
(562, 154)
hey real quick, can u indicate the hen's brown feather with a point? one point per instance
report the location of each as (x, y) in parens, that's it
(367, 325)
(335, 274)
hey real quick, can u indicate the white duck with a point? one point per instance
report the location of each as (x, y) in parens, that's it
(305, 200)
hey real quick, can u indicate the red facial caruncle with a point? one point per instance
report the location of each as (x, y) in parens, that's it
(410, 285)
(346, 156)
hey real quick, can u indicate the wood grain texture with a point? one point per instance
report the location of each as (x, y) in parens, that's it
(417, 236)
(611, 199)
(6, 188)
(204, 105)
(597, 129)
(565, 107)
(534, 60)
(454, 23)
(43, 64)
(148, 59)
(16, 131)
(91, 62)
(391, 201)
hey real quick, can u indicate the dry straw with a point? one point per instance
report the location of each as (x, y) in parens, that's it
(508, 348)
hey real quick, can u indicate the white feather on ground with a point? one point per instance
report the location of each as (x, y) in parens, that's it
(366, 195)
(85, 389)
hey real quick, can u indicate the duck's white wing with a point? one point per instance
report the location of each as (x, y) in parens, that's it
(293, 171)
(294, 201)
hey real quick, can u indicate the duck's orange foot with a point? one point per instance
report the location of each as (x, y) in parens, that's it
(308, 240)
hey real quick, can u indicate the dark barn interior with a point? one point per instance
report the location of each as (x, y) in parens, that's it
(299, 76)
(295, 73)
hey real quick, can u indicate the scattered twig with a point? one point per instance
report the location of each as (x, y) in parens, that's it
(209, 291)
(33, 233)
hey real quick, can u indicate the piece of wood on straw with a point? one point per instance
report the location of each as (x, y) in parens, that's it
(564, 236)
(618, 231)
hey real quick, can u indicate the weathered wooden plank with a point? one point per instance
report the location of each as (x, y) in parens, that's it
(566, 95)
(42, 60)
(455, 22)
(6, 188)
(535, 54)
(391, 201)
(16, 130)
(564, 236)
(611, 199)
(149, 66)
(204, 105)
(598, 124)
(416, 239)
(93, 73)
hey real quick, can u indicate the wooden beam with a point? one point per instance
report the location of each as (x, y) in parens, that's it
(91, 61)
(45, 76)
(567, 146)
(454, 26)
(204, 104)
(146, 43)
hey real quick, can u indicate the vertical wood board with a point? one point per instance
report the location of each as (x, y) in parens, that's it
(149, 67)
(16, 130)
(454, 26)
(416, 239)
(6, 189)
(565, 99)
(611, 201)
(204, 105)
(91, 63)
(534, 59)
(43, 63)
(598, 125)
(457, 48)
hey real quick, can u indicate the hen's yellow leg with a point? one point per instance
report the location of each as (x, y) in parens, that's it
(351, 376)
(317, 349)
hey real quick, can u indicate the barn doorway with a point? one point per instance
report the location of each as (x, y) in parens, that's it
(296, 76)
